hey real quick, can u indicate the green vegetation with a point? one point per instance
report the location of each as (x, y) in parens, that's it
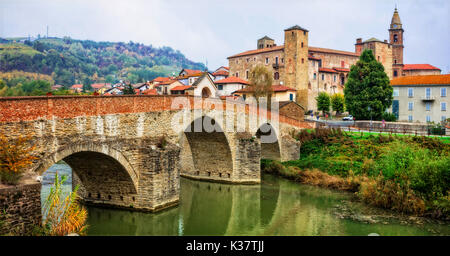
(337, 103)
(409, 174)
(323, 102)
(261, 82)
(62, 215)
(68, 61)
(367, 92)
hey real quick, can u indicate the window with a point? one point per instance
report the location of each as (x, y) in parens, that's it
(309, 85)
(267, 60)
(282, 60)
(302, 44)
(315, 76)
(395, 61)
(443, 92)
(395, 73)
(342, 64)
(378, 58)
(245, 96)
(443, 106)
(303, 60)
(428, 119)
(276, 60)
(220, 87)
(248, 59)
(276, 76)
(395, 38)
(246, 74)
(334, 78)
(396, 92)
(443, 118)
(410, 118)
(410, 92)
(428, 106)
(410, 105)
(237, 74)
(291, 97)
(323, 77)
(428, 92)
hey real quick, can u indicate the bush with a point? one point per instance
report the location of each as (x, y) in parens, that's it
(63, 216)
(389, 117)
(15, 157)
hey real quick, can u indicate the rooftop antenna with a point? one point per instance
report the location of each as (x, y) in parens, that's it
(206, 65)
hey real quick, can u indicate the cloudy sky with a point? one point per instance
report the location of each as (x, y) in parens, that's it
(213, 30)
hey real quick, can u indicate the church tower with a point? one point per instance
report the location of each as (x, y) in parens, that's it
(396, 40)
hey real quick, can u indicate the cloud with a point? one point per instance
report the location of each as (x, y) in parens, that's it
(214, 30)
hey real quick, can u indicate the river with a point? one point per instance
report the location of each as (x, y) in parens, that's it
(276, 207)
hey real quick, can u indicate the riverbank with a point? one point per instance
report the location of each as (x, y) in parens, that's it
(405, 174)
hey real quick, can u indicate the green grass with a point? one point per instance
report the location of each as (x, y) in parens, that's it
(17, 48)
(415, 167)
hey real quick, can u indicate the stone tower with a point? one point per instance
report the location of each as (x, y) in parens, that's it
(265, 42)
(396, 40)
(296, 62)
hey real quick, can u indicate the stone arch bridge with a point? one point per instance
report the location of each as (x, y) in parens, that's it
(125, 152)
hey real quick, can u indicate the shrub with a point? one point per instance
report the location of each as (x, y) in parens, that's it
(389, 117)
(15, 157)
(63, 216)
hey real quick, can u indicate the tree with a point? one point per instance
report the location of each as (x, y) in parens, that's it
(87, 84)
(261, 82)
(323, 102)
(337, 102)
(128, 90)
(367, 92)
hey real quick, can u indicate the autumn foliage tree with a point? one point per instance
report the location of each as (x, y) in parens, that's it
(261, 82)
(15, 157)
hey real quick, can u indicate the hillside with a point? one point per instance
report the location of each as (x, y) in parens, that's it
(69, 61)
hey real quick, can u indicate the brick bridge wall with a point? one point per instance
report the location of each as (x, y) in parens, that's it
(111, 143)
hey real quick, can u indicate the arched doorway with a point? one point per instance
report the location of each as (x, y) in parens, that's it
(206, 93)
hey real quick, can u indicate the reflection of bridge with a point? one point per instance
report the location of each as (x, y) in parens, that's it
(116, 149)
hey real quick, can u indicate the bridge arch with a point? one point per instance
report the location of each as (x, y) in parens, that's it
(270, 142)
(206, 151)
(101, 171)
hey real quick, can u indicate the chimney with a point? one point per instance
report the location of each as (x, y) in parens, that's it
(358, 46)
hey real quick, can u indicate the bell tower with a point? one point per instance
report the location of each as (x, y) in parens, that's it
(396, 40)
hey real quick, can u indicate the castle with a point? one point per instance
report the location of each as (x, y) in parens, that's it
(311, 70)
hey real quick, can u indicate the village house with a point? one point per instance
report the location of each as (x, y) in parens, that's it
(227, 86)
(221, 73)
(163, 88)
(421, 98)
(100, 87)
(279, 93)
(76, 88)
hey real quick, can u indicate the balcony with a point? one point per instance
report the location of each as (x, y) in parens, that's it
(428, 98)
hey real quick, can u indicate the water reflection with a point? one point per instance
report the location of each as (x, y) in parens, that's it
(276, 207)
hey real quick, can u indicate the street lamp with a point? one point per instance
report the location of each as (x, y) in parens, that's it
(370, 110)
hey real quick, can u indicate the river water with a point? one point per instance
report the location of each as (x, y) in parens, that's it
(276, 207)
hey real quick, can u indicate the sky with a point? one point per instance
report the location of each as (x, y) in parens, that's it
(214, 30)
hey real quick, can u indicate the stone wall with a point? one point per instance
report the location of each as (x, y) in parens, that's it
(20, 208)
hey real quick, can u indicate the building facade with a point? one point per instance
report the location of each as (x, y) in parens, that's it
(311, 70)
(421, 98)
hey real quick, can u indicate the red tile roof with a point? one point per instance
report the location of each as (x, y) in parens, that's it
(275, 88)
(191, 71)
(221, 73)
(167, 82)
(98, 86)
(231, 80)
(281, 47)
(419, 67)
(181, 88)
(342, 69)
(161, 79)
(150, 92)
(422, 80)
(328, 70)
(76, 86)
(269, 49)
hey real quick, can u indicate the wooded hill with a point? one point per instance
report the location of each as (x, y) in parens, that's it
(68, 61)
